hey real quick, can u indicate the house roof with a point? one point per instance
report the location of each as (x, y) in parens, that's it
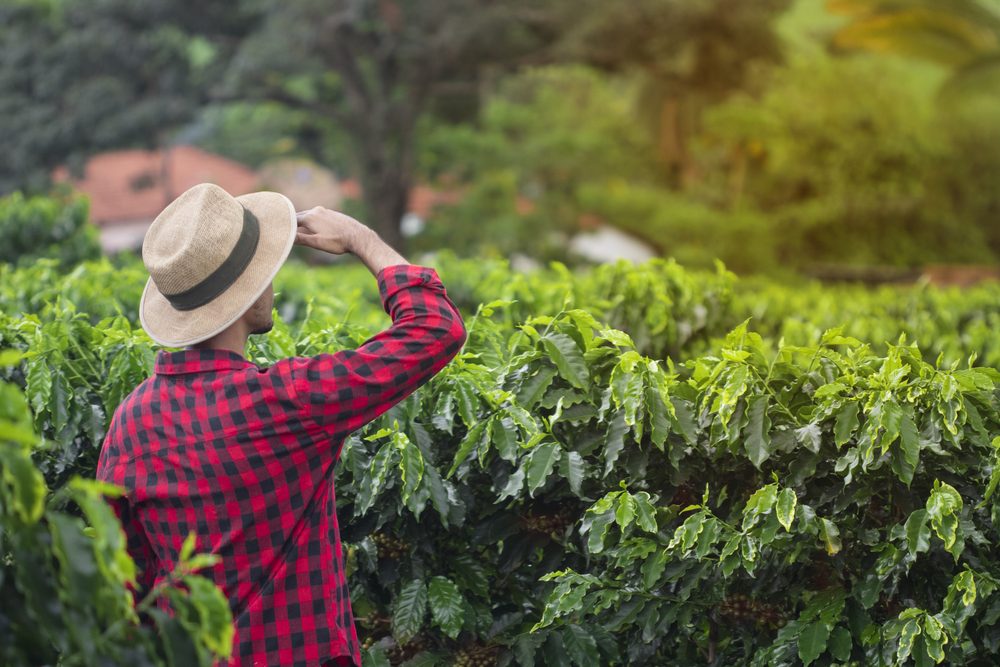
(129, 185)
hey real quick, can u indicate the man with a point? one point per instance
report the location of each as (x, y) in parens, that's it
(244, 455)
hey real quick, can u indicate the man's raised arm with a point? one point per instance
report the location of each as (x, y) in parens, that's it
(347, 389)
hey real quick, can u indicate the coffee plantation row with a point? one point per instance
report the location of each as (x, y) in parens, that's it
(631, 465)
(668, 311)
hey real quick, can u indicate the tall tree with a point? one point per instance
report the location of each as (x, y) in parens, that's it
(963, 35)
(690, 54)
(375, 66)
(81, 77)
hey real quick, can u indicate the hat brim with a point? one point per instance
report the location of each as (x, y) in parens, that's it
(177, 328)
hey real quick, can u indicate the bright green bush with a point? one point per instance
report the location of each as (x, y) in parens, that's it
(543, 499)
(37, 227)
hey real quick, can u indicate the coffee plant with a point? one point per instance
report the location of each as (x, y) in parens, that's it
(68, 591)
(615, 470)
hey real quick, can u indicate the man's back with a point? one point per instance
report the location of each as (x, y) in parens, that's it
(244, 457)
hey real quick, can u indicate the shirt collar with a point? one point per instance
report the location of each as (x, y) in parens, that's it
(197, 360)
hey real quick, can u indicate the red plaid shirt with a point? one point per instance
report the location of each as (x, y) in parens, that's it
(244, 456)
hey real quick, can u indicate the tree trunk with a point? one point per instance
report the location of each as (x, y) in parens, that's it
(386, 146)
(386, 194)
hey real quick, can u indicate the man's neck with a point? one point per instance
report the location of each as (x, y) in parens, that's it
(233, 339)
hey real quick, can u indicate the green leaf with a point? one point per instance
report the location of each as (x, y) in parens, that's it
(810, 436)
(540, 463)
(580, 645)
(177, 640)
(659, 417)
(38, 386)
(187, 547)
(213, 612)
(533, 388)
(645, 513)
(614, 442)
(598, 528)
(760, 502)
(686, 536)
(684, 422)
(514, 484)
(840, 644)
(918, 532)
(372, 483)
(890, 420)
(503, 434)
(568, 359)
(785, 508)
(466, 447)
(465, 391)
(812, 642)
(571, 467)
(375, 656)
(409, 610)
(758, 434)
(411, 466)
(79, 572)
(626, 510)
(830, 535)
(943, 508)
(846, 424)
(653, 566)
(438, 492)
(446, 605)
(909, 632)
(909, 439)
(471, 574)
(27, 490)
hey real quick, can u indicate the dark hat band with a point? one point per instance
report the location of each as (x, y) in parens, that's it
(220, 280)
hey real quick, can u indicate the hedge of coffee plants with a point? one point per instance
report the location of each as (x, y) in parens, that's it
(669, 489)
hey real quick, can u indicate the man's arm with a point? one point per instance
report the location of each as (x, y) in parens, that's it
(347, 389)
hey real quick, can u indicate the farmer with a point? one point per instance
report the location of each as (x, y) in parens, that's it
(244, 455)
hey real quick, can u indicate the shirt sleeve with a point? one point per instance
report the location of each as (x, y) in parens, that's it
(345, 390)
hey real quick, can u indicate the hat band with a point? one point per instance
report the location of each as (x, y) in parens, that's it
(224, 276)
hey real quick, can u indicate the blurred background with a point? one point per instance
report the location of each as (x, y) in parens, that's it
(838, 139)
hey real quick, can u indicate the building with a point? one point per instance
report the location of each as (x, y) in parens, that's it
(129, 188)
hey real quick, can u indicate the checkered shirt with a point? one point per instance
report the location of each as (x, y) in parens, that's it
(244, 456)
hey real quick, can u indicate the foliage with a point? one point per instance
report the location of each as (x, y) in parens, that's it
(847, 514)
(81, 77)
(543, 499)
(541, 135)
(50, 227)
(693, 233)
(67, 582)
(963, 35)
(849, 163)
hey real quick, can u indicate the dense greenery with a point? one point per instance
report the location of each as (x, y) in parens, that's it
(669, 489)
(65, 580)
(51, 227)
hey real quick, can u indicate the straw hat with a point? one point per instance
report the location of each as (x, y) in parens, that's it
(210, 256)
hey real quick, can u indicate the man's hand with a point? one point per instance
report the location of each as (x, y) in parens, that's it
(338, 233)
(330, 231)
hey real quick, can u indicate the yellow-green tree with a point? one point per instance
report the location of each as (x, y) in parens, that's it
(963, 35)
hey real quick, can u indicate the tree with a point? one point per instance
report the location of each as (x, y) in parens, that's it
(691, 55)
(80, 77)
(375, 66)
(963, 35)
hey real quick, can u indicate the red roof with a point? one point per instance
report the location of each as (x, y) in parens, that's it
(128, 185)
